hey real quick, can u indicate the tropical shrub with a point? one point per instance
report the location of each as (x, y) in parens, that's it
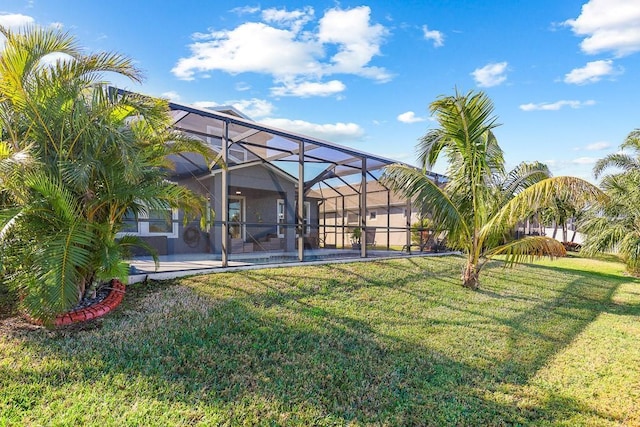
(614, 226)
(75, 157)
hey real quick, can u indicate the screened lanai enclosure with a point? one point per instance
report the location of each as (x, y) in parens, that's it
(284, 197)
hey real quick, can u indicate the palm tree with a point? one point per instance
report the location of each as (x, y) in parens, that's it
(624, 161)
(615, 225)
(75, 158)
(481, 203)
(559, 213)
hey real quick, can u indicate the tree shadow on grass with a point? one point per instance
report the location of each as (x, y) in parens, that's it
(272, 352)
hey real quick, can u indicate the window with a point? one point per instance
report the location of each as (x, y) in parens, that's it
(129, 223)
(282, 217)
(155, 222)
(237, 218)
(373, 215)
(306, 218)
(353, 218)
(160, 221)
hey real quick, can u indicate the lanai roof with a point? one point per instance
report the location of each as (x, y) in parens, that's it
(254, 143)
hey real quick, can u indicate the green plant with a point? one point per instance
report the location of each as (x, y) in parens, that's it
(613, 226)
(422, 230)
(76, 156)
(481, 203)
(356, 235)
(386, 342)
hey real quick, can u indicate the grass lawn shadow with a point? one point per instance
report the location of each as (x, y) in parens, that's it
(397, 342)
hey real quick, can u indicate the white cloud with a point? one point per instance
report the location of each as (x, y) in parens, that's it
(554, 106)
(590, 73)
(251, 47)
(280, 46)
(15, 20)
(356, 39)
(207, 104)
(435, 35)
(410, 117)
(307, 89)
(245, 10)
(584, 160)
(51, 58)
(261, 109)
(336, 132)
(242, 86)
(608, 26)
(491, 74)
(171, 95)
(294, 20)
(253, 108)
(597, 146)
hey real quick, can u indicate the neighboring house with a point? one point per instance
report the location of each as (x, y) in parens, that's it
(277, 184)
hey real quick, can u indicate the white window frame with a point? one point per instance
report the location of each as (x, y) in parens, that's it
(281, 217)
(143, 227)
(306, 220)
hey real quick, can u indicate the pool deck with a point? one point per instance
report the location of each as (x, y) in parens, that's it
(172, 266)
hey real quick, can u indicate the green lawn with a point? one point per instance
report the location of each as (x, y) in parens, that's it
(394, 342)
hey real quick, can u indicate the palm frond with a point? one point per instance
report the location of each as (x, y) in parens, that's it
(127, 242)
(528, 248)
(414, 184)
(618, 160)
(632, 141)
(429, 148)
(524, 176)
(575, 191)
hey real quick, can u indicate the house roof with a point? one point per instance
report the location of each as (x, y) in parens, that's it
(326, 164)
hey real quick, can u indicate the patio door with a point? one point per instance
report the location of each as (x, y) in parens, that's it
(237, 215)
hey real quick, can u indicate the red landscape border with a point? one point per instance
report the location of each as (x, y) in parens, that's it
(96, 310)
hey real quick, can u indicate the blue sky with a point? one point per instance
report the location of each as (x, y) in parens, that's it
(563, 75)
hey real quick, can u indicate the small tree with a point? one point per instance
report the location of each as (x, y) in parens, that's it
(481, 203)
(422, 230)
(356, 236)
